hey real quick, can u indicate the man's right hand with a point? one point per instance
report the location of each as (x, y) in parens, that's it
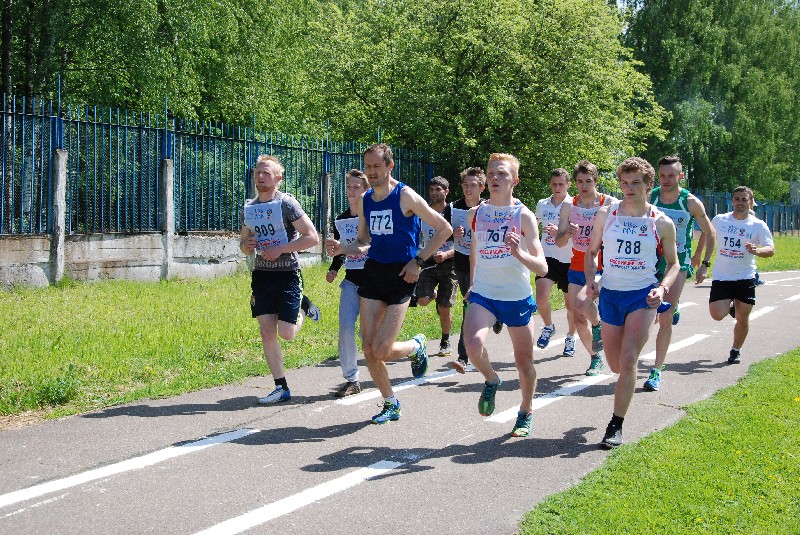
(249, 245)
(330, 276)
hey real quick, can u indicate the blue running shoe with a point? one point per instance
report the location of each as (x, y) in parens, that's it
(676, 316)
(419, 358)
(486, 401)
(653, 382)
(569, 347)
(389, 413)
(544, 339)
(276, 396)
(523, 426)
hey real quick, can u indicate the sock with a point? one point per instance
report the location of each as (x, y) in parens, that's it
(282, 383)
(735, 349)
(616, 421)
(391, 399)
(551, 326)
(445, 337)
(570, 337)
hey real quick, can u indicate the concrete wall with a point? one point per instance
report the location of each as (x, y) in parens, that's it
(26, 259)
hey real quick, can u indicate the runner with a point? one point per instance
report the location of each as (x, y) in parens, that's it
(473, 182)
(558, 259)
(683, 208)
(438, 278)
(631, 232)
(276, 226)
(346, 230)
(740, 238)
(388, 231)
(504, 249)
(576, 221)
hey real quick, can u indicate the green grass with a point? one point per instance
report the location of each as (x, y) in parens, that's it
(77, 346)
(731, 466)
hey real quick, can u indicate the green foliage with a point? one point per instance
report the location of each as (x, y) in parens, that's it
(466, 78)
(729, 73)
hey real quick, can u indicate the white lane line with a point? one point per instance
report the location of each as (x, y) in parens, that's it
(781, 280)
(372, 394)
(124, 466)
(686, 305)
(686, 342)
(547, 399)
(301, 499)
(550, 345)
(760, 312)
(793, 298)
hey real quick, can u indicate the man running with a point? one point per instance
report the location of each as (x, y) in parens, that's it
(548, 212)
(346, 230)
(473, 182)
(630, 232)
(505, 249)
(276, 227)
(684, 209)
(741, 237)
(388, 231)
(437, 282)
(576, 221)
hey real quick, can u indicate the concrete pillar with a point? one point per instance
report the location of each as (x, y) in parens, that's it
(58, 211)
(167, 207)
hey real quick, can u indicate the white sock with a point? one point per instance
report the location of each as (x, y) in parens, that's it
(391, 399)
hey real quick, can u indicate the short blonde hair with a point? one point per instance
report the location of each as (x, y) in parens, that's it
(509, 158)
(273, 160)
(638, 165)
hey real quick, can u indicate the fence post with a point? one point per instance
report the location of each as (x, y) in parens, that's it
(168, 213)
(327, 195)
(59, 208)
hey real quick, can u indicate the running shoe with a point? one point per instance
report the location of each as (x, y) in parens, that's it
(759, 282)
(348, 389)
(653, 382)
(276, 396)
(676, 316)
(544, 338)
(612, 438)
(310, 309)
(596, 365)
(569, 347)
(497, 327)
(444, 349)
(486, 401)
(734, 357)
(389, 413)
(597, 340)
(419, 358)
(523, 426)
(460, 365)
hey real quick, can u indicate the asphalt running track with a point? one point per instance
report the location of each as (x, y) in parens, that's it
(216, 462)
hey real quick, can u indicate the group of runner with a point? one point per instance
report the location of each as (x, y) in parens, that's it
(633, 256)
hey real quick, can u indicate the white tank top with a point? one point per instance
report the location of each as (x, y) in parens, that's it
(348, 232)
(498, 275)
(631, 247)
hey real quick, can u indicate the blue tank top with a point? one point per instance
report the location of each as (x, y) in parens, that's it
(394, 236)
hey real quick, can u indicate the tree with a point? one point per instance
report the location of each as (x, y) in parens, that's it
(532, 78)
(729, 73)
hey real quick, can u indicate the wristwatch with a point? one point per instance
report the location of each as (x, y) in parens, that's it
(666, 288)
(705, 263)
(420, 262)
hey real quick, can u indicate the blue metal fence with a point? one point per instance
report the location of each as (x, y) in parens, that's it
(114, 169)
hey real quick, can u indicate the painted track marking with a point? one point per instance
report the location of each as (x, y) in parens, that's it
(686, 342)
(375, 393)
(760, 312)
(547, 399)
(124, 466)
